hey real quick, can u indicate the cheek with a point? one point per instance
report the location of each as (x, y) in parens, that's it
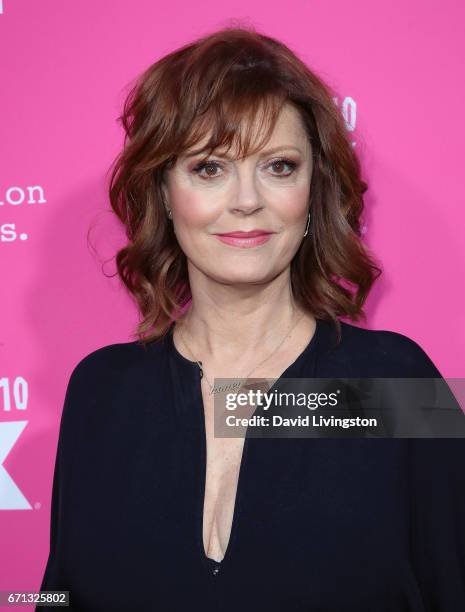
(293, 205)
(193, 209)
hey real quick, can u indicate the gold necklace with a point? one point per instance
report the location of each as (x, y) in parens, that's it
(199, 363)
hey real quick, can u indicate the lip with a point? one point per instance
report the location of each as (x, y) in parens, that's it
(250, 234)
(245, 240)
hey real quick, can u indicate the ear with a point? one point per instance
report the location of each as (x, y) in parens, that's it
(164, 192)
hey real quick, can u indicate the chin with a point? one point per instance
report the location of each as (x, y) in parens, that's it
(248, 277)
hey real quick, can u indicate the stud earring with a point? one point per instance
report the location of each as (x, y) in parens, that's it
(308, 223)
(170, 214)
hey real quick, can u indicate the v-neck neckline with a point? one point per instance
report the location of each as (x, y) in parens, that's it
(285, 374)
(215, 568)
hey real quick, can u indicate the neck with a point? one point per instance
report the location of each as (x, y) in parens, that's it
(227, 323)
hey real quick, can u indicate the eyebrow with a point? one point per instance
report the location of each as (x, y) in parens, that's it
(262, 153)
(279, 148)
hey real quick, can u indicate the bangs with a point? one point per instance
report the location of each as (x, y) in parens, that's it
(240, 117)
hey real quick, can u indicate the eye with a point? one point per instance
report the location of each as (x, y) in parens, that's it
(210, 167)
(279, 164)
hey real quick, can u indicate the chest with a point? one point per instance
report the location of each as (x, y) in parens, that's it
(223, 461)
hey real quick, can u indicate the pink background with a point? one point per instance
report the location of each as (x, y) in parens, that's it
(65, 70)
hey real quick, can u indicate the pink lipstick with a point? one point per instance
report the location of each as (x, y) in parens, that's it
(245, 240)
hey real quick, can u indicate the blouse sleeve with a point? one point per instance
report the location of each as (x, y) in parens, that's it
(437, 489)
(54, 577)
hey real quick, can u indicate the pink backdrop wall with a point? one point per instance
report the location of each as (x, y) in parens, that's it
(398, 71)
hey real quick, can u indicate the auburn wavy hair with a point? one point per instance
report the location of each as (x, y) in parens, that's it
(215, 85)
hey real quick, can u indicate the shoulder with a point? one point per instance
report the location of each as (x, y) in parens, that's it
(108, 359)
(107, 380)
(102, 373)
(379, 352)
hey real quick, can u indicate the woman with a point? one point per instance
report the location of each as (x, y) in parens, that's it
(241, 198)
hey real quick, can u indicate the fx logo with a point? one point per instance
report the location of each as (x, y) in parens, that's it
(11, 497)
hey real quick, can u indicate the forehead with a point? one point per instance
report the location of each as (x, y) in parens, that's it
(288, 131)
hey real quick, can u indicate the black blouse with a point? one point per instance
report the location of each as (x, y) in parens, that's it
(319, 525)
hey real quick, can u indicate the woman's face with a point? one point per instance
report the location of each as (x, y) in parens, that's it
(266, 191)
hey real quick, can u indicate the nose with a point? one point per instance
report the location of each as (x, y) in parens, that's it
(247, 198)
